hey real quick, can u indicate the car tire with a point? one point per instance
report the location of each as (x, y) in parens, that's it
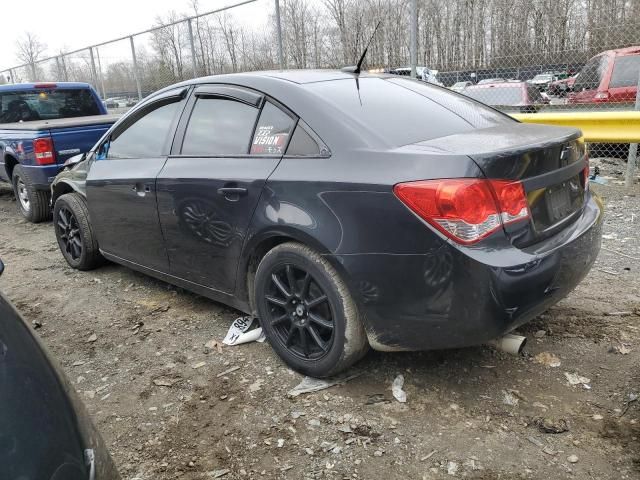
(73, 230)
(307, 312)
(33, 204)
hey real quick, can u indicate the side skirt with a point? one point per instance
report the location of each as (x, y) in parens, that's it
(207, 292)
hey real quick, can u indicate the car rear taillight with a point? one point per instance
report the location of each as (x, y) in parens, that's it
(465, 210)
(43, 150)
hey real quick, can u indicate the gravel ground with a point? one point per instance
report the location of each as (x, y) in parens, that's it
(169, 407)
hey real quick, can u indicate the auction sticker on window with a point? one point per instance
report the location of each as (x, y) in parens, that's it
(268, 142)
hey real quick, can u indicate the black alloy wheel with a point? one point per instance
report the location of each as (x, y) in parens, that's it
(300, 312)
(69, 233)
(307, 312)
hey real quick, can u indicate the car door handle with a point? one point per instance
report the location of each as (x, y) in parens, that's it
(232, 194)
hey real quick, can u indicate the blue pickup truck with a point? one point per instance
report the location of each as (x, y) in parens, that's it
(41, 126)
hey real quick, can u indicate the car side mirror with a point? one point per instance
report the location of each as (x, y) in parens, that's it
(75, 160)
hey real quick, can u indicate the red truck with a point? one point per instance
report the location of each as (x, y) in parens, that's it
(609, 77)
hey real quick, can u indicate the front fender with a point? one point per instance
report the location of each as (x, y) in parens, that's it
(70, 180)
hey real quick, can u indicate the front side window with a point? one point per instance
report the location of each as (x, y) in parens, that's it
(146, 137)
(273, 131)
(219, 126)
(591, 74)
(626, 71)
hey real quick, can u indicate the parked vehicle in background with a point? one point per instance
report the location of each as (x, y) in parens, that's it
(422, 73)
(45, 432)
(609, 77)
(561, 88)
(485, 81)
(302, 198)
(509, 96)
(460, 86)
(542, 81)
(41, 126)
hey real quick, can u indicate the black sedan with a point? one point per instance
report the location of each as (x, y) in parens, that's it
(344, 210)
(45, 433)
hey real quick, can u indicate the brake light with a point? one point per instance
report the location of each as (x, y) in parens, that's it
(45, 85)
(465, 210)
(43, 150)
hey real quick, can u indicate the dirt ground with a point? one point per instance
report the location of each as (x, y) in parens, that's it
(167, 410)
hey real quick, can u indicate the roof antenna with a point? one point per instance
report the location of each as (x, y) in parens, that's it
(355, 69)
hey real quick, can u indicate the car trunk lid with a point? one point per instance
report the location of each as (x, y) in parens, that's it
(549, 161)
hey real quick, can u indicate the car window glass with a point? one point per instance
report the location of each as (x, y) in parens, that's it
(302, 143)
(625, 71)
(367, 103)
(591, 74)
(272, 133)
(146, 137)
(219, 127)
(47, 104)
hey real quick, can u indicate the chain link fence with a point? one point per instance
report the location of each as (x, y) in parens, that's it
(516, 56)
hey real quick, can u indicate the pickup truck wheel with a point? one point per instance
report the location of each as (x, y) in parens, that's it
(306, 311)
(75, 236)
(33, 204)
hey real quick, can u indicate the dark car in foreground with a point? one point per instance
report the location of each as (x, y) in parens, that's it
(344, 210)
(510, 96)
(41, 126)
(45, 433)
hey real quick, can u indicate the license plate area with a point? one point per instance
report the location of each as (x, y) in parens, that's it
(559, 202)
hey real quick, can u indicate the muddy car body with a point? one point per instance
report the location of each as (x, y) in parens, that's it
(338, 221)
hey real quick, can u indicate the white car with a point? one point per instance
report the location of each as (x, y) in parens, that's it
(460, 86)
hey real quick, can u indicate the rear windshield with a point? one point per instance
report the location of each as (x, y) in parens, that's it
(496, 95)
(403, 111)
(29, 105)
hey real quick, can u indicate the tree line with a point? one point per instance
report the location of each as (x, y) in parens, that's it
(452, 35)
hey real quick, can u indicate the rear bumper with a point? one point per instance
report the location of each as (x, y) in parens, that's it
(42, 176)
(459, 296)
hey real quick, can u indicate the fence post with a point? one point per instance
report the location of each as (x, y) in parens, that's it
(13, 77)
(135, 68)
(413, 47)
(279, 34)
(94, 73)
(633, 149)
(194, 60)
(65, 76)
(104, 92)
(33, 72)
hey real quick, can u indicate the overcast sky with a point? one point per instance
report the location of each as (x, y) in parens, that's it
(72, 24)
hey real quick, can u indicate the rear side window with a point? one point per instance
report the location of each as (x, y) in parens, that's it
(625, 71)
(419, 111)
(273, 131)
(302, 144)
(219, 127)
(147, 136)
(46, 104)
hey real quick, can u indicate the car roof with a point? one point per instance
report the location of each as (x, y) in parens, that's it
(12, 87)
(622, 51)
